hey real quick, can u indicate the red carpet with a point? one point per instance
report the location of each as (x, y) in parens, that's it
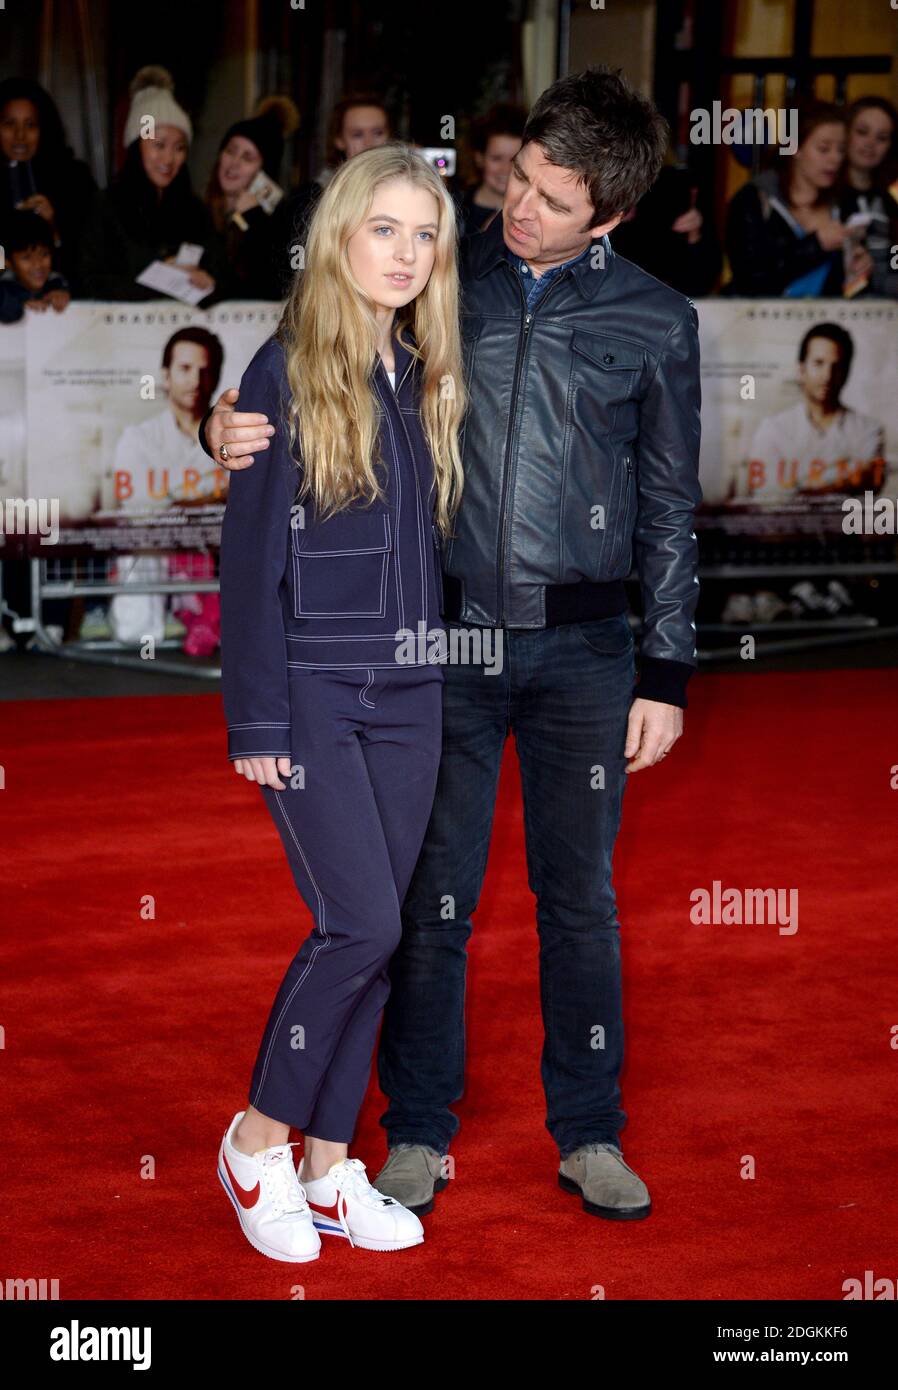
(129, 1042)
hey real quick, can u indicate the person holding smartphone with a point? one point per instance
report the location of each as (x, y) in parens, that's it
(329, 562)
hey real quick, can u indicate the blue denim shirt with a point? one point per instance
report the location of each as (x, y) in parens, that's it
(535, 286)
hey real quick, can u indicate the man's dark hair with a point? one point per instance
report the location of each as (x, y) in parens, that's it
(595, 124)
(25, 230)
(203, 338)
(837, 335)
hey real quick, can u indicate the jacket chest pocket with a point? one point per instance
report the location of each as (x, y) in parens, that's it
(604, 378)
(341, 566)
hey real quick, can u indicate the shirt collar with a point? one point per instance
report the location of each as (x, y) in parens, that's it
(518, 262)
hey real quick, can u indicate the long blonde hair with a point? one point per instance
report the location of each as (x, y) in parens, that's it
(329, 333)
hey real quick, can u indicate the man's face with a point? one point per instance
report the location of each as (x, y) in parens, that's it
(187, 379)
(546, 210)
(822, 373)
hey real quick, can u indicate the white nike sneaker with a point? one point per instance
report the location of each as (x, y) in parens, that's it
(345, 1204)
(268, 1199)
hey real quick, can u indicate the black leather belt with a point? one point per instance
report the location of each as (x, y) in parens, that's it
(565, 603)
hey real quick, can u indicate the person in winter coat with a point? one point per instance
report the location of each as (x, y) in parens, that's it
(149, 209)
(252, 226)
(869, 186)
(783, 232)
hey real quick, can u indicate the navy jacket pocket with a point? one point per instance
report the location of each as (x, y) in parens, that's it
(341, 566)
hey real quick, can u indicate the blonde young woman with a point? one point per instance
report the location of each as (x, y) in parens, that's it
(331, 649)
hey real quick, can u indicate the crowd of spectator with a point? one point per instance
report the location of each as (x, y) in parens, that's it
(819, 222)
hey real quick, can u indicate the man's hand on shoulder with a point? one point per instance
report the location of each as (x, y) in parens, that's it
(652, 730)
(242, 432)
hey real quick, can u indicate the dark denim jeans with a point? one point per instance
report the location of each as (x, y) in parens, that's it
(565, 693)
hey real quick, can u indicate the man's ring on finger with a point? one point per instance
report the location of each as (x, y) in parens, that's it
(223, 453)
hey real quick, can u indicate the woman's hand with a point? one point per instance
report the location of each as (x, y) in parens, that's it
(242, 431)
(245, 201)
(39, 203)
(201, 278)
(264, 770)
(831, 235)
(690, 223)
(860, 264)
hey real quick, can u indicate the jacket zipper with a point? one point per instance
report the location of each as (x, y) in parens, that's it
(522, 348)
(619, 538)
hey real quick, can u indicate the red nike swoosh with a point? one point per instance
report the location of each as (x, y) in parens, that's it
(244, 1196)
(332, 1212)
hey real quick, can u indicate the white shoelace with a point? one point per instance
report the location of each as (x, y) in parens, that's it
(282, 1186)
(351, 1180)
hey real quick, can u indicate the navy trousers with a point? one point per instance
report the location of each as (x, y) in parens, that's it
(366, 750)
(565, 693)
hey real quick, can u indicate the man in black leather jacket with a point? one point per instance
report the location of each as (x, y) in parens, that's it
(580, 453)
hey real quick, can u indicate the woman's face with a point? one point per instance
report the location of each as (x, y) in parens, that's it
(392, 253)
(163, 157)
(364, 127)
(820, 156)
(869, 139)
(20, 130)
(238, 164)
(495, 163)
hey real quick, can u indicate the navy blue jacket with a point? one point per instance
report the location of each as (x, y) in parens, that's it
(299, 593)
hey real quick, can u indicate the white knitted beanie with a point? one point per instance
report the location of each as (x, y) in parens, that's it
(153, 94)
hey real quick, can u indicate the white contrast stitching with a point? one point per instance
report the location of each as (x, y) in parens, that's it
(311, 961)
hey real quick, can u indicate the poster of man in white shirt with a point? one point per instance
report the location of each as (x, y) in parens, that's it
(158, 464)
(819, 447)
(159, 461)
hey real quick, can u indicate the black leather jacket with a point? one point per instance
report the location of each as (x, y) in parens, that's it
(580, 447)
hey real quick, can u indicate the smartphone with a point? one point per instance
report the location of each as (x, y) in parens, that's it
(442, 157)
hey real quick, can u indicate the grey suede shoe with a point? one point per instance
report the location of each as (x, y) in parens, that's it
(608, 1186)
(411, 1175)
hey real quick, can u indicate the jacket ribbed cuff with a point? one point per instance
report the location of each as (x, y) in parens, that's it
(258, 741)
(663, 680)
